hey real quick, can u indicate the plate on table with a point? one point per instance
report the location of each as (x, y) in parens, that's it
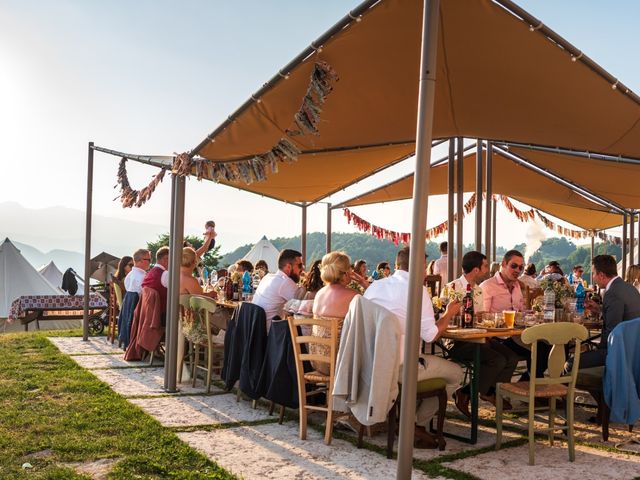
(501, 329)
(468, 330)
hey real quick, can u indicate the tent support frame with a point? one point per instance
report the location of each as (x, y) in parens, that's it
(459, 206)
(479, 181)
(489, 189)
(451, 174)
(87, 244)
(424, 133)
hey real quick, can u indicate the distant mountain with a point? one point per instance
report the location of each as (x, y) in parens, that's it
(63, 228)
(62, 258)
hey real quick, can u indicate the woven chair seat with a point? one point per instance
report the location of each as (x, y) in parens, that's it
(544, 391)
(431, 385)
(316, 377)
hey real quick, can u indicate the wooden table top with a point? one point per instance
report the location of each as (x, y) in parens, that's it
(473, 334)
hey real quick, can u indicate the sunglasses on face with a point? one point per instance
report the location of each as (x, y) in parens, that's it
(516, 266)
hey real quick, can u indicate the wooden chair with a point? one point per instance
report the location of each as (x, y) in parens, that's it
(115, 303)
(320, 382)
(530, 294)
(552, 387)
(203, 308)
(434, 282)
(433, 387)
(184, 306)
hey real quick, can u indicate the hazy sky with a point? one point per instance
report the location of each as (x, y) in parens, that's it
(156, 76)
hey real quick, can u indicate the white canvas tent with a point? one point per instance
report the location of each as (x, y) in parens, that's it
(264, 250)
(52, 273)
(17, 278)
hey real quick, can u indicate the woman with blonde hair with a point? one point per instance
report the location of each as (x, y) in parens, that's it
(333, 299)
(188, 283)
(633, 276)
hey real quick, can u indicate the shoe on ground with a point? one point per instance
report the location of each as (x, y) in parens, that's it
(462, 400)
(424, 440)
(506, 405)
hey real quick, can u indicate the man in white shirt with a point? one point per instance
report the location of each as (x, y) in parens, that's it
(141, 263)
(276, 289)
(497, 362)
(392, 293)
(440, 265)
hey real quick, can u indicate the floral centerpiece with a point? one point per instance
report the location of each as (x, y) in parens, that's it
(562, 291)
(356, 286)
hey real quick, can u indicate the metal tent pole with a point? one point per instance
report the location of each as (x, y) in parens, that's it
(494, 219)
(638, 250)
(488, 214)
(303, 234)
(624, 244)
(632, 218)
(478, 195)
(173, 294)
(328, 248)
(87, 244)
(424, 133)
(593, 250)
(459, 205)
(450, 185)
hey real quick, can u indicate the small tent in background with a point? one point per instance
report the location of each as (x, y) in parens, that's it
(264, 250)
(19, 278)
(102, 266)
(52, 273)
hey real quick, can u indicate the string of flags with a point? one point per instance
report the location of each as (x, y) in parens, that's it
(305, 122)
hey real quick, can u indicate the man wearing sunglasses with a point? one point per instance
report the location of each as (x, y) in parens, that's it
(133, 287)
(502, 291)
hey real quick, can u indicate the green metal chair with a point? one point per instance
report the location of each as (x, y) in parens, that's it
(555, 386)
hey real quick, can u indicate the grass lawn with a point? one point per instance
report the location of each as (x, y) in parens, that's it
(53, 412)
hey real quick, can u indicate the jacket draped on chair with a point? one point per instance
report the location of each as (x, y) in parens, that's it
(146, 328)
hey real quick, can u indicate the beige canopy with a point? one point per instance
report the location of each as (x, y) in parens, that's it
(509, 179)
(619, 182)
(496, 79)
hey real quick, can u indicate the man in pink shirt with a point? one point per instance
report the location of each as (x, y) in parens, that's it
(502, 291)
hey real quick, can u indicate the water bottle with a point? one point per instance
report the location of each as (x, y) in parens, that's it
(549, 304)
(205, 275)
(246, 282)
(214, 277)
(580, 296)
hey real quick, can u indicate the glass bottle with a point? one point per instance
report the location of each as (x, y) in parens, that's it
(467, 308)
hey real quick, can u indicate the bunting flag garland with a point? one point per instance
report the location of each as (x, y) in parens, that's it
(307, 119)
(526, 216)
(305, 122)
(130, 197)
(403, 237)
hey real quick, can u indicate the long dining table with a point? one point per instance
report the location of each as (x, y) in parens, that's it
(477, 336)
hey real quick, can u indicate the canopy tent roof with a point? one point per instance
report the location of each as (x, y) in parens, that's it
(52, 273)
(18, 278)
(508, 179)
(264, 250)
(374, 102)
(615, 181)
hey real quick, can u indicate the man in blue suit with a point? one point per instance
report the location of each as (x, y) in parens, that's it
(621, 302)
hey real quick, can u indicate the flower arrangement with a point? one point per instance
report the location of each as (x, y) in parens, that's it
(193, 327)
(236, 277)
(561, 290)
(356, 286)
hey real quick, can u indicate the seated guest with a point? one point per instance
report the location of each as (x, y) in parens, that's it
(528, 277)
(158, 278)
(392, 293)
(621, 302)
(633, 276)
(360, 267)
(358, 275)
(502, 292)
(383, 270)
(244, 266)
(497, 361)
(440, 265)
(333, 299)
(575, 277)
(133, 287)
(276, 289)
(124, 267)
(262, 268)
(552, 272)
(188, 283)
(311, 284)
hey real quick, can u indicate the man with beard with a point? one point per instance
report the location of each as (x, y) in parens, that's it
(276, 289)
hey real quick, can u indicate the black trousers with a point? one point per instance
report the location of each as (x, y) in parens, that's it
(497, 362)
(542, 359)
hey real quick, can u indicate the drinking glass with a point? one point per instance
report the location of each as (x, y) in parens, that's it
(509, 317)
